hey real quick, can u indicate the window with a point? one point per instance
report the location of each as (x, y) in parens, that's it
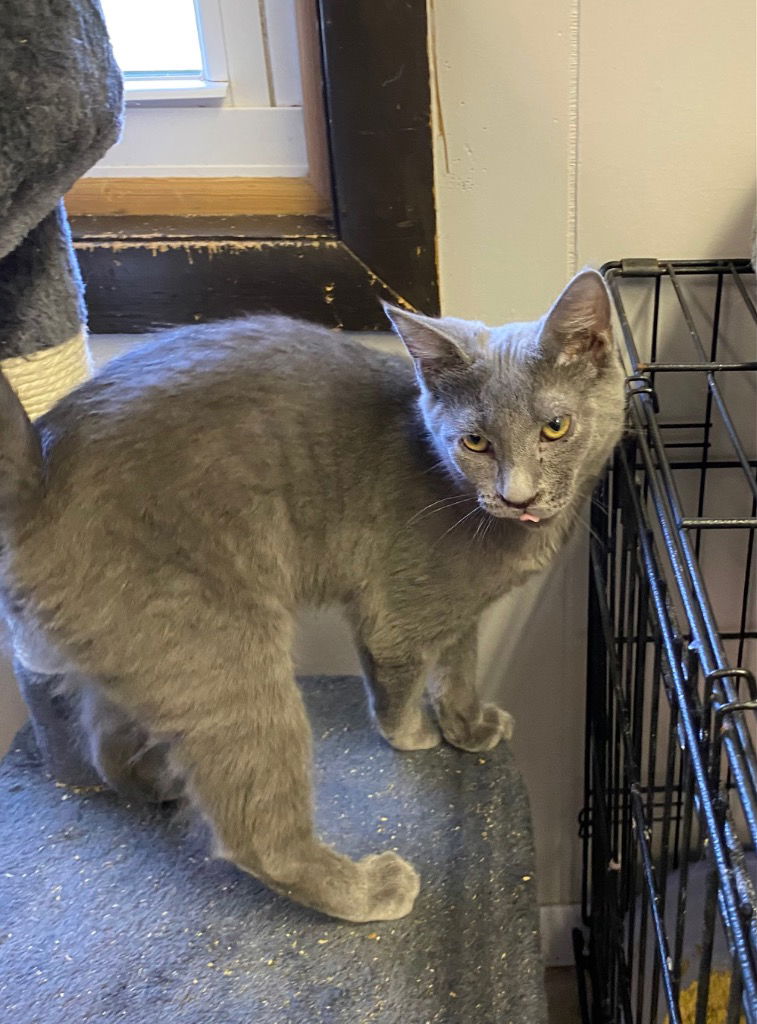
(213, 92)
(169, 57)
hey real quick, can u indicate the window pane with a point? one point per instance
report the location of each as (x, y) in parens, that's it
(152, 37)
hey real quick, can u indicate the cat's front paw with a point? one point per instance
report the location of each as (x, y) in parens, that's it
(484, 732)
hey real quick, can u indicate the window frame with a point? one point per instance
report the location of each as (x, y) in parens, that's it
(143, 273)
(210, 26)
(211, 85)
(233, 104)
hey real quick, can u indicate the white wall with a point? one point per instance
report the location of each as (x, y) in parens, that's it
(579, 131)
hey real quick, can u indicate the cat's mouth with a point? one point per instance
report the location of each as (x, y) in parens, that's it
(530, 517)
(533, 520)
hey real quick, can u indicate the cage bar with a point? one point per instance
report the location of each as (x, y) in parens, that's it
(669, 824)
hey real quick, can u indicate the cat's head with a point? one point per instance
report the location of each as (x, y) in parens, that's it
(526, 413)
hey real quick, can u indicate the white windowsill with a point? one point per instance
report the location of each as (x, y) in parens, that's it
(197, 92)
(211, 140)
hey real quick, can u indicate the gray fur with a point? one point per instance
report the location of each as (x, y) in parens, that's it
(60, 106)
(203, 486)
(41, 292)
(60, 110)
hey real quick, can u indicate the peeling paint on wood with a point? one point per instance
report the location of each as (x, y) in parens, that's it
(137, 286)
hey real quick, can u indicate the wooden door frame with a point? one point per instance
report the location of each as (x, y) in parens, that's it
(380, 242)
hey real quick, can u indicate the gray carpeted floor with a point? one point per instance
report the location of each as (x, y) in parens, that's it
(115, 913)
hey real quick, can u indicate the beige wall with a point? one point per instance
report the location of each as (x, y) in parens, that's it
(12, 709)
(666, 129)
(579, 132)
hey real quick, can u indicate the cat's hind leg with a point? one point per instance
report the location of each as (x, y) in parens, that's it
(121, 751)
(243, 746)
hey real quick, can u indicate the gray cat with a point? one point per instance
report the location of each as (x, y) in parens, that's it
(162, 523)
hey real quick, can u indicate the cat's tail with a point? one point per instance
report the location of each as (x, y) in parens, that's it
(20, 460)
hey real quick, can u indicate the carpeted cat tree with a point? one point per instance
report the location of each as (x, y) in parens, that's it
(115, 913)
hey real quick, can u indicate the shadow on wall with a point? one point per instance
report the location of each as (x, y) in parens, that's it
(737, 237)
(12, 708)
(532, 658)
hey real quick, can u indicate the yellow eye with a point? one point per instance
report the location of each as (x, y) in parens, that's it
(475, 443)
(555, 428)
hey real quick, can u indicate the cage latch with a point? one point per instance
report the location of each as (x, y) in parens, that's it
(640, 384)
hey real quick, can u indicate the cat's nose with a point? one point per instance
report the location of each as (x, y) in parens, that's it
(519, 504)
(516, 487)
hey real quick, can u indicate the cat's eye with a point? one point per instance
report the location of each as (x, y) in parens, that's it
(475, 443)
(555, 428)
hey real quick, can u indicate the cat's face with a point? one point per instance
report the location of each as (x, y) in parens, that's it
(525, 413)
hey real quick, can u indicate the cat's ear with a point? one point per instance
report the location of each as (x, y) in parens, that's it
(435, 353)
(579, 325)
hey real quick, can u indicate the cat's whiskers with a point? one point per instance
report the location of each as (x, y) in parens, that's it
(580, 520)
(483, 527)
(458, 522)
(434, 466)
(440, 505)
(450, 501)
(595, 500)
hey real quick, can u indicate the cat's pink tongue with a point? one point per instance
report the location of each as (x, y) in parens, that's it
(528, 518)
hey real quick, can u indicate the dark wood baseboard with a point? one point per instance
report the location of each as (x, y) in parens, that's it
(175, 273)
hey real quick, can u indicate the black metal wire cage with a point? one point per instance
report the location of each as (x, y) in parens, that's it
(669, 825)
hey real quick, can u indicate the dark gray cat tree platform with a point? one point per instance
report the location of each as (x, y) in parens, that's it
(115, 913)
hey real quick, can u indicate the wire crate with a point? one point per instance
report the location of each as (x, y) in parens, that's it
(669, 824)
